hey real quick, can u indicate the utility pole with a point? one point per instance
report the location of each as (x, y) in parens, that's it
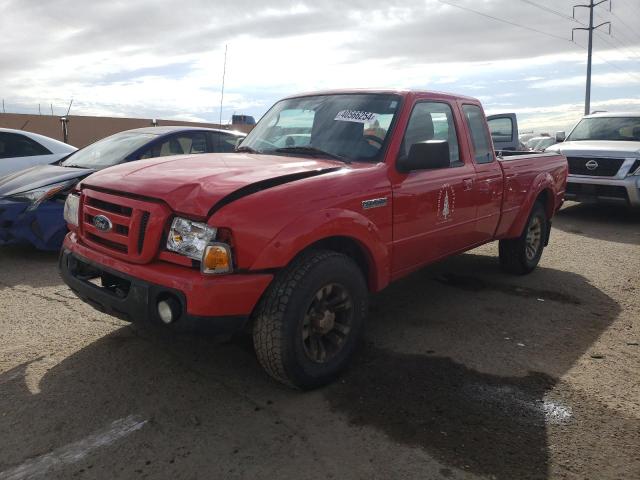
(591, 6)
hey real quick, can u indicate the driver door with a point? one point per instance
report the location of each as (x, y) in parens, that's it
(434, 211)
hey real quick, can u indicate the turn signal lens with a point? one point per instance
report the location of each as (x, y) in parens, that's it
(217, 259)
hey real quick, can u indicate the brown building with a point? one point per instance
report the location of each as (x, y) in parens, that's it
(83, 130)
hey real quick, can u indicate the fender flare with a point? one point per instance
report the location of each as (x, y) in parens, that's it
(543, 182)
(306, 230)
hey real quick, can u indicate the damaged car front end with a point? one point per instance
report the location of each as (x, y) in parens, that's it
(33, 215)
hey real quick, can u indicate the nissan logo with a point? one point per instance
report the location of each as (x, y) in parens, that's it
(102, 223)
(591, 165)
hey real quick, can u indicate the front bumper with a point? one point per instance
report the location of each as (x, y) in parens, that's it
(220, 304)
(625, 191)
(44, 227)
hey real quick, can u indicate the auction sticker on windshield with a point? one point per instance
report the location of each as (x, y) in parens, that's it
(356, 116)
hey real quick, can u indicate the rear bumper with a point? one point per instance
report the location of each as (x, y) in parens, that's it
(44, 227)
(219, 304)
(625, 191)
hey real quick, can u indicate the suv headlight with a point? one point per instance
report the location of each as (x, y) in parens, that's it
(41, 194)
(189, 238)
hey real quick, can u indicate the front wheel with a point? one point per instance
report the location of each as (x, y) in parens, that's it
(310, 320)
(521, 255)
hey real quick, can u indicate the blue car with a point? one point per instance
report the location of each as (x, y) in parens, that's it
(32, 200)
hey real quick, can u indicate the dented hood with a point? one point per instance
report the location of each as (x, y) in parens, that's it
(194, 184)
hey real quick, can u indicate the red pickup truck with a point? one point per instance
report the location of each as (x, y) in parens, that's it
(332, 196)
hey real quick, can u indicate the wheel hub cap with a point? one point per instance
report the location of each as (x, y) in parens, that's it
(327, 323)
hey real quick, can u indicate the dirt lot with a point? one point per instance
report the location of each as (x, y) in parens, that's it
(465, 373)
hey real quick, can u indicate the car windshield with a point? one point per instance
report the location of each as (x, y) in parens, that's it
(108, 151)
(352, 127)
(607, 128)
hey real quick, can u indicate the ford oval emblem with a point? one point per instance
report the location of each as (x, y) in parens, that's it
(591, 165)
(102, 223)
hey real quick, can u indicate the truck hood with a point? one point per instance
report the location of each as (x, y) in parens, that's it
(601, 148)
(39, 176)
(194, 184)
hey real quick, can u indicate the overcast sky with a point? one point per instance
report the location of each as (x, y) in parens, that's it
(164, 59)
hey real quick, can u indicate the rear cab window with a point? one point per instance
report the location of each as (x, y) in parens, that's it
(481, 142)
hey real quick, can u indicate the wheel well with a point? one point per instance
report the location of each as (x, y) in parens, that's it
(545, 197)
(353, 249)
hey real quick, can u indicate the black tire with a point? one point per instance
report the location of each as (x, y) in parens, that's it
(282, 319)
(516, 255)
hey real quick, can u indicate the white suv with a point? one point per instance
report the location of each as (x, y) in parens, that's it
(603, 151)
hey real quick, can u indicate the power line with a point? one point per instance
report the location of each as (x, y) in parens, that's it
(509, 22)
(502, 20)
(631, 29)
(551, 10)
(620, 47)
(632, 7)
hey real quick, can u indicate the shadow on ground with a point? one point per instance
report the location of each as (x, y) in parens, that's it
(475, 380)
(436, 373)
(596, 221)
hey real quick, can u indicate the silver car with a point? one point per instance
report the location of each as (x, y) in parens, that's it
(603, 151)
(20, 150)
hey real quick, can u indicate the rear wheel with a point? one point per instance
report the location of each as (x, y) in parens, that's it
(308, 324)
(521, 255)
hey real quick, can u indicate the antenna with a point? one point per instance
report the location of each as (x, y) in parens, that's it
(224, 73)
(69, 109)
(51, 109)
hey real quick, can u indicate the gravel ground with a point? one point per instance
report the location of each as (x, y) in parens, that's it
(465, 373)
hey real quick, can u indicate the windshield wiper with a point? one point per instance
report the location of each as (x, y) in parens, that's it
(312, 151)
(247, 149)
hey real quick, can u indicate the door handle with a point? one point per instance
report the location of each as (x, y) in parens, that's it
(467, 184)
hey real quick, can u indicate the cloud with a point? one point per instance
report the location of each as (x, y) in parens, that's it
(159, 57)
(605, 80)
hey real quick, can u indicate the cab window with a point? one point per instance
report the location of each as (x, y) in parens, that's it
(476, 121)
(432, 121)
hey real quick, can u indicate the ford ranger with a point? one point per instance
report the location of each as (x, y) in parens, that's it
(332, 196)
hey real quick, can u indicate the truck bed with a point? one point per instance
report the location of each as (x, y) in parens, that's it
(523, 171)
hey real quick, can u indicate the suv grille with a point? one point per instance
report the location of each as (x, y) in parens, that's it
(596, 167)
(133, 230)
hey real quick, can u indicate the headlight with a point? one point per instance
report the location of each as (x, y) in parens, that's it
(71, 209)
(189, 238)
(635, 168)
(41, 194)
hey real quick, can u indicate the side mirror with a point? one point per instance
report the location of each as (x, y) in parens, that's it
(428, 155)
(560, 137)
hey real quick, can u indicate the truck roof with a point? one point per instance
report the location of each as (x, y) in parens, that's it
(395, 91)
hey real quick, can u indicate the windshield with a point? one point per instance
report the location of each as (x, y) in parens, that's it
(607, 128)
(353, 127)
(108, 151)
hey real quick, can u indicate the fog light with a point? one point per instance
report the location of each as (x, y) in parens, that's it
(217, 259)
(169, 310)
